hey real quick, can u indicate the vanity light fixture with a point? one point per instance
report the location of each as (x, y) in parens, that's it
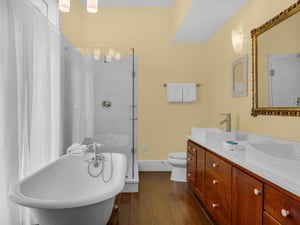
(113, 54)
(237, 41)
(92, 6)
(64, 5)
(108, 57)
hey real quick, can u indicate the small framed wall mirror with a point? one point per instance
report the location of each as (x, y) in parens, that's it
(240, 77)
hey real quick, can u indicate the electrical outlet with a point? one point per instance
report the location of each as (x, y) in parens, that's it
(145, 147)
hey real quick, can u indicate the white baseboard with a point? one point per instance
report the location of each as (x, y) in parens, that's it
(154, 165)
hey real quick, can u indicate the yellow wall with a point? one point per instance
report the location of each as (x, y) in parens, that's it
(161, 125)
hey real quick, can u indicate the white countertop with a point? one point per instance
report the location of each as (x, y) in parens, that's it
(239, 157)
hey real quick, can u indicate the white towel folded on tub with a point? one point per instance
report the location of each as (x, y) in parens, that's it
(76, 149)
(174, 92)
(189, 92)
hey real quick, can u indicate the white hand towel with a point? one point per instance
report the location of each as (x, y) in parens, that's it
(189, 92)
(174, 92)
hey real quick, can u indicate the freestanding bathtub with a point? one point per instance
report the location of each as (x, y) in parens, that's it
(64, 193)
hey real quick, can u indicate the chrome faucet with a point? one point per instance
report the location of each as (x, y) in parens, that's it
(227, 120)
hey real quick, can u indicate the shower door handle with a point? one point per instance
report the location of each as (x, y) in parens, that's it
(133, 112)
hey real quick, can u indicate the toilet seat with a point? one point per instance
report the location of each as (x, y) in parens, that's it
(178, 155)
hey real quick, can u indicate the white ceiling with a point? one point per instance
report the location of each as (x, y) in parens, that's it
(202, 20)
(205, 17)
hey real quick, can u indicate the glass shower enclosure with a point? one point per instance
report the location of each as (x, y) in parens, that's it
(100, 101)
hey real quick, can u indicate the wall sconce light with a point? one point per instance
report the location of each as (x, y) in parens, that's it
(64, 5)
(237, 41)
(97, 54)
(92, 6)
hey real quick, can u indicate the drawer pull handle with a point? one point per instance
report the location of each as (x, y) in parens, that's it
(256, 191)
(215, 181)
(215, 205)
(189, 174)
(215, 165)
(285, 213)
(189, 159)
(194, 149)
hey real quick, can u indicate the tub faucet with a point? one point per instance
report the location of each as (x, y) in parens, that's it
(227, 120)
(98, 154)
(98, 157)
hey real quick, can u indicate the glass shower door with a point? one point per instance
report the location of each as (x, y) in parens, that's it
(114, 104)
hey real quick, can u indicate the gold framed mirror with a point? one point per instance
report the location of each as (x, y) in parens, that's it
(276, 65)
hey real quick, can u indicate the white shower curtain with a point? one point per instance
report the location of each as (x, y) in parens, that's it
(30, 130)
(8, 117)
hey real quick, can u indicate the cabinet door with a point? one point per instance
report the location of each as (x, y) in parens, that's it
(200, 172)
(281, 207)
(247, 199)
(191, 164)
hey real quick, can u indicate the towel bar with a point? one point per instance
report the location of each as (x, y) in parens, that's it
(197, 85)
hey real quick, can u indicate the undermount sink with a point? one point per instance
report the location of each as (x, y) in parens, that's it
(280, 158)
(212, 135)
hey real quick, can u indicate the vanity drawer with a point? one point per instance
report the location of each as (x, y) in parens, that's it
(218, 166)
(269, 220)
(191, 148)
(218, 209)
(222, 187)
(281, 207)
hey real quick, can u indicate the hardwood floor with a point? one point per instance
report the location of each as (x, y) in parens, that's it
(158, 202)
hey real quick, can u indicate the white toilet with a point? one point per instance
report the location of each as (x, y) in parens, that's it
(177, 161)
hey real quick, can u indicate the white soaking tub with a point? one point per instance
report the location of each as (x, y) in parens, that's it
(65, 193)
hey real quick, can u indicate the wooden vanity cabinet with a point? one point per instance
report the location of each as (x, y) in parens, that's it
(191, 165)
(218, 188)
(247, 199)
(234, 195)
